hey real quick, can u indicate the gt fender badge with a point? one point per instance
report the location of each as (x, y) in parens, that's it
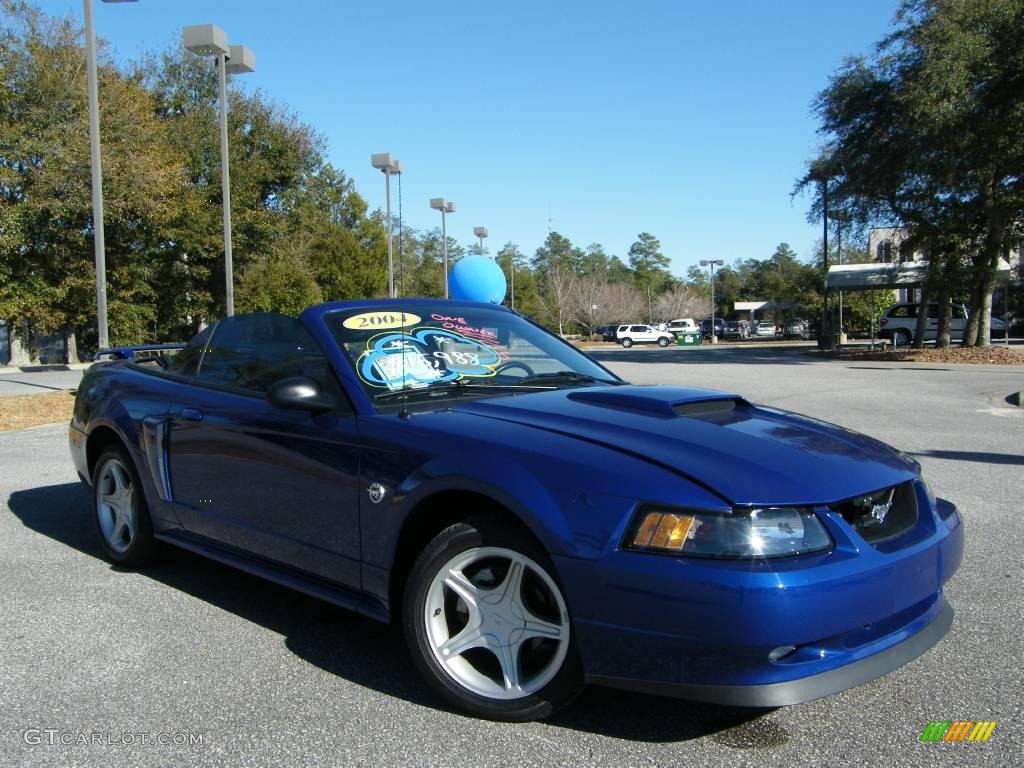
(376, 491)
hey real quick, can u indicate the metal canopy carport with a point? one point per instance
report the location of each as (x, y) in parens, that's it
(889, 275)
(903, 274)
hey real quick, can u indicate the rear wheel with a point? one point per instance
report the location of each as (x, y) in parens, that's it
(120, 511)
(488, 623)
(627, 343)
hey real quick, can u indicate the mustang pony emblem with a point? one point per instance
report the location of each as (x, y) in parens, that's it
(879, 511)
(376, 491)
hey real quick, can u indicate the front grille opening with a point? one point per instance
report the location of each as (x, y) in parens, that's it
(704, 408)
(881, 515)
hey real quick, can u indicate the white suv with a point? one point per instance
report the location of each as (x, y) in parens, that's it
(628, 335)
(683, 326)
(899, 322)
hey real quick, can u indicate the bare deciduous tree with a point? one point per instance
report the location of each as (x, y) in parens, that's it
(621, 302)
(560, 289)
(589, 308)
(680, 302)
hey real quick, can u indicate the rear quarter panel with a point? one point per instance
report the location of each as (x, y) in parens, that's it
(118, 397)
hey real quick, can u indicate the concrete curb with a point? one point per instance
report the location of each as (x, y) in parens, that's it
(10, 370)
(47, 425)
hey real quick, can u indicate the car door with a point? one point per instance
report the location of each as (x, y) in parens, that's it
(641, 333)
(957, 322)
(279, 484)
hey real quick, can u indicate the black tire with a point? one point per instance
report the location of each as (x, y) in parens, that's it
(901, 337)
(627, 343)
(140, 548)
(564, 676)
(662, 342)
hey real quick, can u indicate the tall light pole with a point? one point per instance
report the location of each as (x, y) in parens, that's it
(480, 232)
(210, 40)
(512, 274)
(839, 254)
(389, 166)
(99, 244)
(445, 207)
(712, 263)
(821, 171)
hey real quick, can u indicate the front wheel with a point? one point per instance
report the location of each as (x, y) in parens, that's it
(662, 342)
(488, 624)
(627, 343)
(901, 337)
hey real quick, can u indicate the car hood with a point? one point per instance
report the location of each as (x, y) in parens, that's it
(744, 453)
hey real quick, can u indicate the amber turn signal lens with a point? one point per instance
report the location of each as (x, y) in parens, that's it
(663, 531)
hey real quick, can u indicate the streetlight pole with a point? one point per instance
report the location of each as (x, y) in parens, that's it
(839, 255)
(825, 329)
(225, 186)
(98, 235)
(712, 263)
(512, 274)
(480, 232)
(445, 207)
(210, 40)
(389, 166)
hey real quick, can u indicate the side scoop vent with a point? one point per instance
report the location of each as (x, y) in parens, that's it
(704, 408)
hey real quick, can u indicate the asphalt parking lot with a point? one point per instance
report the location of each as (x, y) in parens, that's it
(252, 673)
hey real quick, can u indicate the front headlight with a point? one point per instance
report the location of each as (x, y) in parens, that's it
(757, 532)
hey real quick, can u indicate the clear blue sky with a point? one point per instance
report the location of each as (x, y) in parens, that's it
(686, 119)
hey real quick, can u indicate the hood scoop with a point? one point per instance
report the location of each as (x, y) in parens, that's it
(667, 402)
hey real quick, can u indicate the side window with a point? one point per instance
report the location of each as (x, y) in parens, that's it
(933, 311)
(251, 352)
(958, 312)
(638, 329)
(187, 360)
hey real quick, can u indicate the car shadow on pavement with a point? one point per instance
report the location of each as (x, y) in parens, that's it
(372, 654)
(982, 457)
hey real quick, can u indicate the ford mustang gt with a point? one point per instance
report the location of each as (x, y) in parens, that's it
(530, 520)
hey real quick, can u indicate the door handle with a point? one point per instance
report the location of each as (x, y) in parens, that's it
(191, 414)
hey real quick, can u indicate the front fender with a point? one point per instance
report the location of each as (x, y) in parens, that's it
(510, 484)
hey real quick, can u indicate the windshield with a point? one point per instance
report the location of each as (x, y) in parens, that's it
(464, 350)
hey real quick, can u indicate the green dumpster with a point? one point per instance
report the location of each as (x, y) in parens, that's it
(688, 340)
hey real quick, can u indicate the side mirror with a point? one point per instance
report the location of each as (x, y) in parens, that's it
(300, 393)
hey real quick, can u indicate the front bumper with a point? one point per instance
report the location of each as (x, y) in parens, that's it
(802, 689)
(768, 633)
(76, 443)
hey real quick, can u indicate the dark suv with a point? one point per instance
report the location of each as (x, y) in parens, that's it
(705, 327)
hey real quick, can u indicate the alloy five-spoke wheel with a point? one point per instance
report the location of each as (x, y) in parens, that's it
(115, 505)
(120, 510)
(497, 623)
(488, 622)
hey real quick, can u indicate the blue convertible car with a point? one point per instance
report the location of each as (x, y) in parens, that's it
(530, 520)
